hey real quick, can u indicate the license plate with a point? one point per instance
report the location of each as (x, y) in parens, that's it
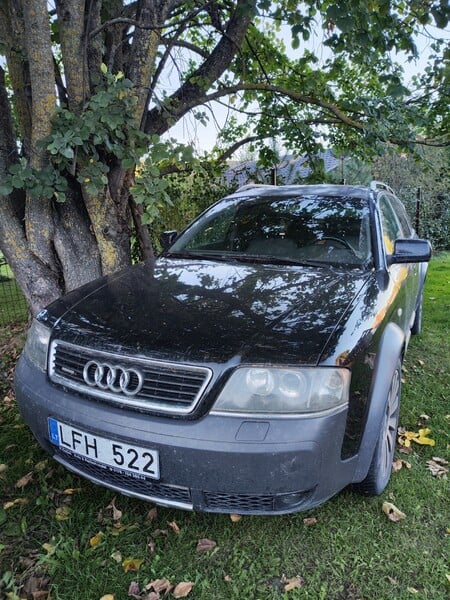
(133, 460)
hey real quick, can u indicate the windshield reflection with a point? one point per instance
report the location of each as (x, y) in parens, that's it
(305, 229)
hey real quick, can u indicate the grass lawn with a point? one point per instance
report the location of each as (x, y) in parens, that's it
(60, 533)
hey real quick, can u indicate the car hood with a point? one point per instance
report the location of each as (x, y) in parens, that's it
(208, 311)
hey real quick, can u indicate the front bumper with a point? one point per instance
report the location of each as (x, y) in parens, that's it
(218, 463)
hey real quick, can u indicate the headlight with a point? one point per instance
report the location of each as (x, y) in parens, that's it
(276, 390)
(36, 345)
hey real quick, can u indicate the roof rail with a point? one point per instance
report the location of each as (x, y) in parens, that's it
(250, 186)
(379, 185)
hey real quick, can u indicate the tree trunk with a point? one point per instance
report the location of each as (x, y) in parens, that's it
(54, 247)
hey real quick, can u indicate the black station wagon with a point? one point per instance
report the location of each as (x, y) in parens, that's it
(254, 367)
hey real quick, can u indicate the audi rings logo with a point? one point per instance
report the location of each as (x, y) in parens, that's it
(114, 378)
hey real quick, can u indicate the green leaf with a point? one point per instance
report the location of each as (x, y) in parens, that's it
(128, 163)
(5, 189)
(440, 17)
(68, 152)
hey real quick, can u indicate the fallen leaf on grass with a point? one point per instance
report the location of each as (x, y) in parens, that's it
(132, 564)
(15, 502)
(71, 491)
(398, 464)
(134, 590)
(421, 437)
(49, 548)
(412, 590)
(151, 546)
(41, 465)
(3, 468)
(95, 540)
(62, 513)
(204, 545)
(235, 518)
(227, 578)
(392, 512)
(152, 514)
(116, 513)
(36, 587)
(8, 400)
(308, 521)
(392, 581)
(292, 583)
(173, 526)
(159, 585)
(119, 528)
(157, 532)
(108, 597)
(183, 589)
(437, 466)
(116, 556)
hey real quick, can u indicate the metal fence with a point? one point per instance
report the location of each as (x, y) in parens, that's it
(13, 306)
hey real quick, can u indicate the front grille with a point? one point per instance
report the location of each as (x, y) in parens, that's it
(144, 488)
(255, 503)
(162, 386)
(239, 502)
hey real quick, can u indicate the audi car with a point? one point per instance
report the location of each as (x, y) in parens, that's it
(254, 367)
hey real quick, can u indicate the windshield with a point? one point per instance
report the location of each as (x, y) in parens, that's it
(318, 229)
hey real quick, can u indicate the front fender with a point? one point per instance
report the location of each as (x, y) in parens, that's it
(389, 351)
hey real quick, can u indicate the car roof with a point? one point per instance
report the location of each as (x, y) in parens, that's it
(324, 189)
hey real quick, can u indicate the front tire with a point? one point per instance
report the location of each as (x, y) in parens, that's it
(381, 465)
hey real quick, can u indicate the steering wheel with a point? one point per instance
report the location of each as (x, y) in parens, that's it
(338, 240)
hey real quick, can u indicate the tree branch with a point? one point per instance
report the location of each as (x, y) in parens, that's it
(192, 92)
(146, 26)
(232, 149)
(293, 95)
(39, 220)
(183, 44)
(71, 27)
(8, 151)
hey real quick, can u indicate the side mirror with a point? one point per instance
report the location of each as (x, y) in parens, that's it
(167, 238)
(410, 251)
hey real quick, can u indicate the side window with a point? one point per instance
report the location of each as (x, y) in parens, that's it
(402, 216)
(390, 224)
(213, 236)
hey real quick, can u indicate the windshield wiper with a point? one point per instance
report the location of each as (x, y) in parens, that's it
(194, 255)
(278, 260)
(248, 258)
